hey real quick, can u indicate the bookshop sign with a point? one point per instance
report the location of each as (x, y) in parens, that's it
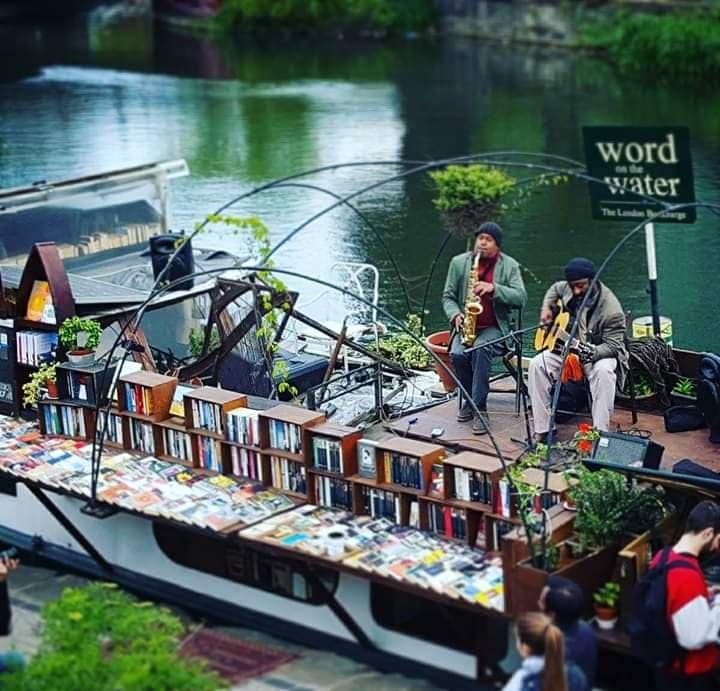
(652, 161)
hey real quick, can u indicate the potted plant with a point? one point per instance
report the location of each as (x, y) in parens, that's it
(606, 599)
(400, 347)
(45, 376)
(80, 337)
(684, 392)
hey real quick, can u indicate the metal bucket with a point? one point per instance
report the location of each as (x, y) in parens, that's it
(643, 326)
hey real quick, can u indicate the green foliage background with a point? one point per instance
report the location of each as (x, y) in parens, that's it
(671, 45)
(386, 15)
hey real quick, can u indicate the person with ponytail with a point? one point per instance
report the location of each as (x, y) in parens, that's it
(542, 647)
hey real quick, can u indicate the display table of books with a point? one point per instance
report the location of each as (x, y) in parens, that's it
(135, 482)
(378, 547)
(374, 548)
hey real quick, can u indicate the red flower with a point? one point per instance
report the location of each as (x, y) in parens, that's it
(585, 446)
(584, 428)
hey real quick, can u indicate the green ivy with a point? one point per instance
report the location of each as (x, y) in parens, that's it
(196, 340)
(97, 638)
(260, 247)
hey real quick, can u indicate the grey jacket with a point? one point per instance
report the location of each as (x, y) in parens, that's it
(509, 288)
(606, 327)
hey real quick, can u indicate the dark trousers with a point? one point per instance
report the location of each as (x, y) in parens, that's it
(473, 368)
(666, 681)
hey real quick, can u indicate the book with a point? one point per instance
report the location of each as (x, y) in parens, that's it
(40, 305)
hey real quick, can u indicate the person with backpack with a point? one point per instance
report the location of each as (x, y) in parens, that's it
(675, 619)
(542, 647)
(562, 600)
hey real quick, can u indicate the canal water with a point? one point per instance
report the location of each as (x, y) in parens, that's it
(116, 89)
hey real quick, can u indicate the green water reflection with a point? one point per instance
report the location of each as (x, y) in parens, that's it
(118, 89)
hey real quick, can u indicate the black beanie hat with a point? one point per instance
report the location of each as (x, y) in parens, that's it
(578, 268)
(493, 229)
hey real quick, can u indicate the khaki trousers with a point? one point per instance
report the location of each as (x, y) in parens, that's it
(544, 371)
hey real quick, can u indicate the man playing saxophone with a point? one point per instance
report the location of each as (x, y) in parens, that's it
(487, 276)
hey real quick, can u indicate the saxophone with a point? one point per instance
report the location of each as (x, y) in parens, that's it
(473, 306)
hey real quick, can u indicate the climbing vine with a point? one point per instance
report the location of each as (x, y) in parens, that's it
(259, 247)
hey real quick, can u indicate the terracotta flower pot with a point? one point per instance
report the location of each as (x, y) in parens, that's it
(439, 343)
(52, 389)
(606, 617)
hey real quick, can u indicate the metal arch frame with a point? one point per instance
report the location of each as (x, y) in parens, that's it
(486, 158)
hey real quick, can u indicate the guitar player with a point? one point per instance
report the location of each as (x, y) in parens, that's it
(601, 347)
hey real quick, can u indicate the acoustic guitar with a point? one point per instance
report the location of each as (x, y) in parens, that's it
(553, 336)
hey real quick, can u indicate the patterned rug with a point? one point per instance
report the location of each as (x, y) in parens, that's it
(232, 658)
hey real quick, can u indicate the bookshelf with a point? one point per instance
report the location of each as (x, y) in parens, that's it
(463, 491)
(284, 447)
(36, 330)
(116, 429)
(403, 472)
(173, 442)
(65, 419)
(332, 457)
(207, 413)
(84, 385)
(146, 396)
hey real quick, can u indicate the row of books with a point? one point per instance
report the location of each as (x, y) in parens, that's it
(330, 491)
(35, 347)
(144, 484)
(379, 503)
(246, 463)
(210, 454)
(79, 385)
(177, 444)
(242, 426)
(288, 475)
(447, 521)
(141, 436)
(206, 415)
(64, 419)
(327, 454)
(113, 428)
(285, 436)
(138, 399)
(403, 470)
(404, 554)
(472, 485)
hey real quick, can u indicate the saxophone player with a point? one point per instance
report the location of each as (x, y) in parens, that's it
(487, 276)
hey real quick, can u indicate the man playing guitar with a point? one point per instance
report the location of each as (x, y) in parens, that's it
(600, 345)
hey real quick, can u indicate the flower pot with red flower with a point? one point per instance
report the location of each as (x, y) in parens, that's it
(80, 337)
(606, 600)
(584, 439)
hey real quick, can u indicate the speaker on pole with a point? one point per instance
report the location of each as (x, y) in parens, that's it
(162, 247)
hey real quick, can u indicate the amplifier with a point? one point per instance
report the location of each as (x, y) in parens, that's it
(627, 450)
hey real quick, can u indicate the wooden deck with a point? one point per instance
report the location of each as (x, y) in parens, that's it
(509, 431)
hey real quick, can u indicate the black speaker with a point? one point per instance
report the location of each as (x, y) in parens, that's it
(614, 448)
(162, 247)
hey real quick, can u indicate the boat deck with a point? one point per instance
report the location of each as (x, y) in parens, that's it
(509, 431)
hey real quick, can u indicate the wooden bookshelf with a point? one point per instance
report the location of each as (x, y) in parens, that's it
(174, 428)
(284, 447)
(116, 433)
(156, 389)
(332, 459)
(66, 419)
(206, 409)
(391, 467)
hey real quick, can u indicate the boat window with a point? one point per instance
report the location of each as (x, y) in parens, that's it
(438, 623)
(285, 577)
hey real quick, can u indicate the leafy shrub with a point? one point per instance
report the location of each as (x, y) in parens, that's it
(386, 15)
(97, 638)
(670, 45)
(403, 349)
